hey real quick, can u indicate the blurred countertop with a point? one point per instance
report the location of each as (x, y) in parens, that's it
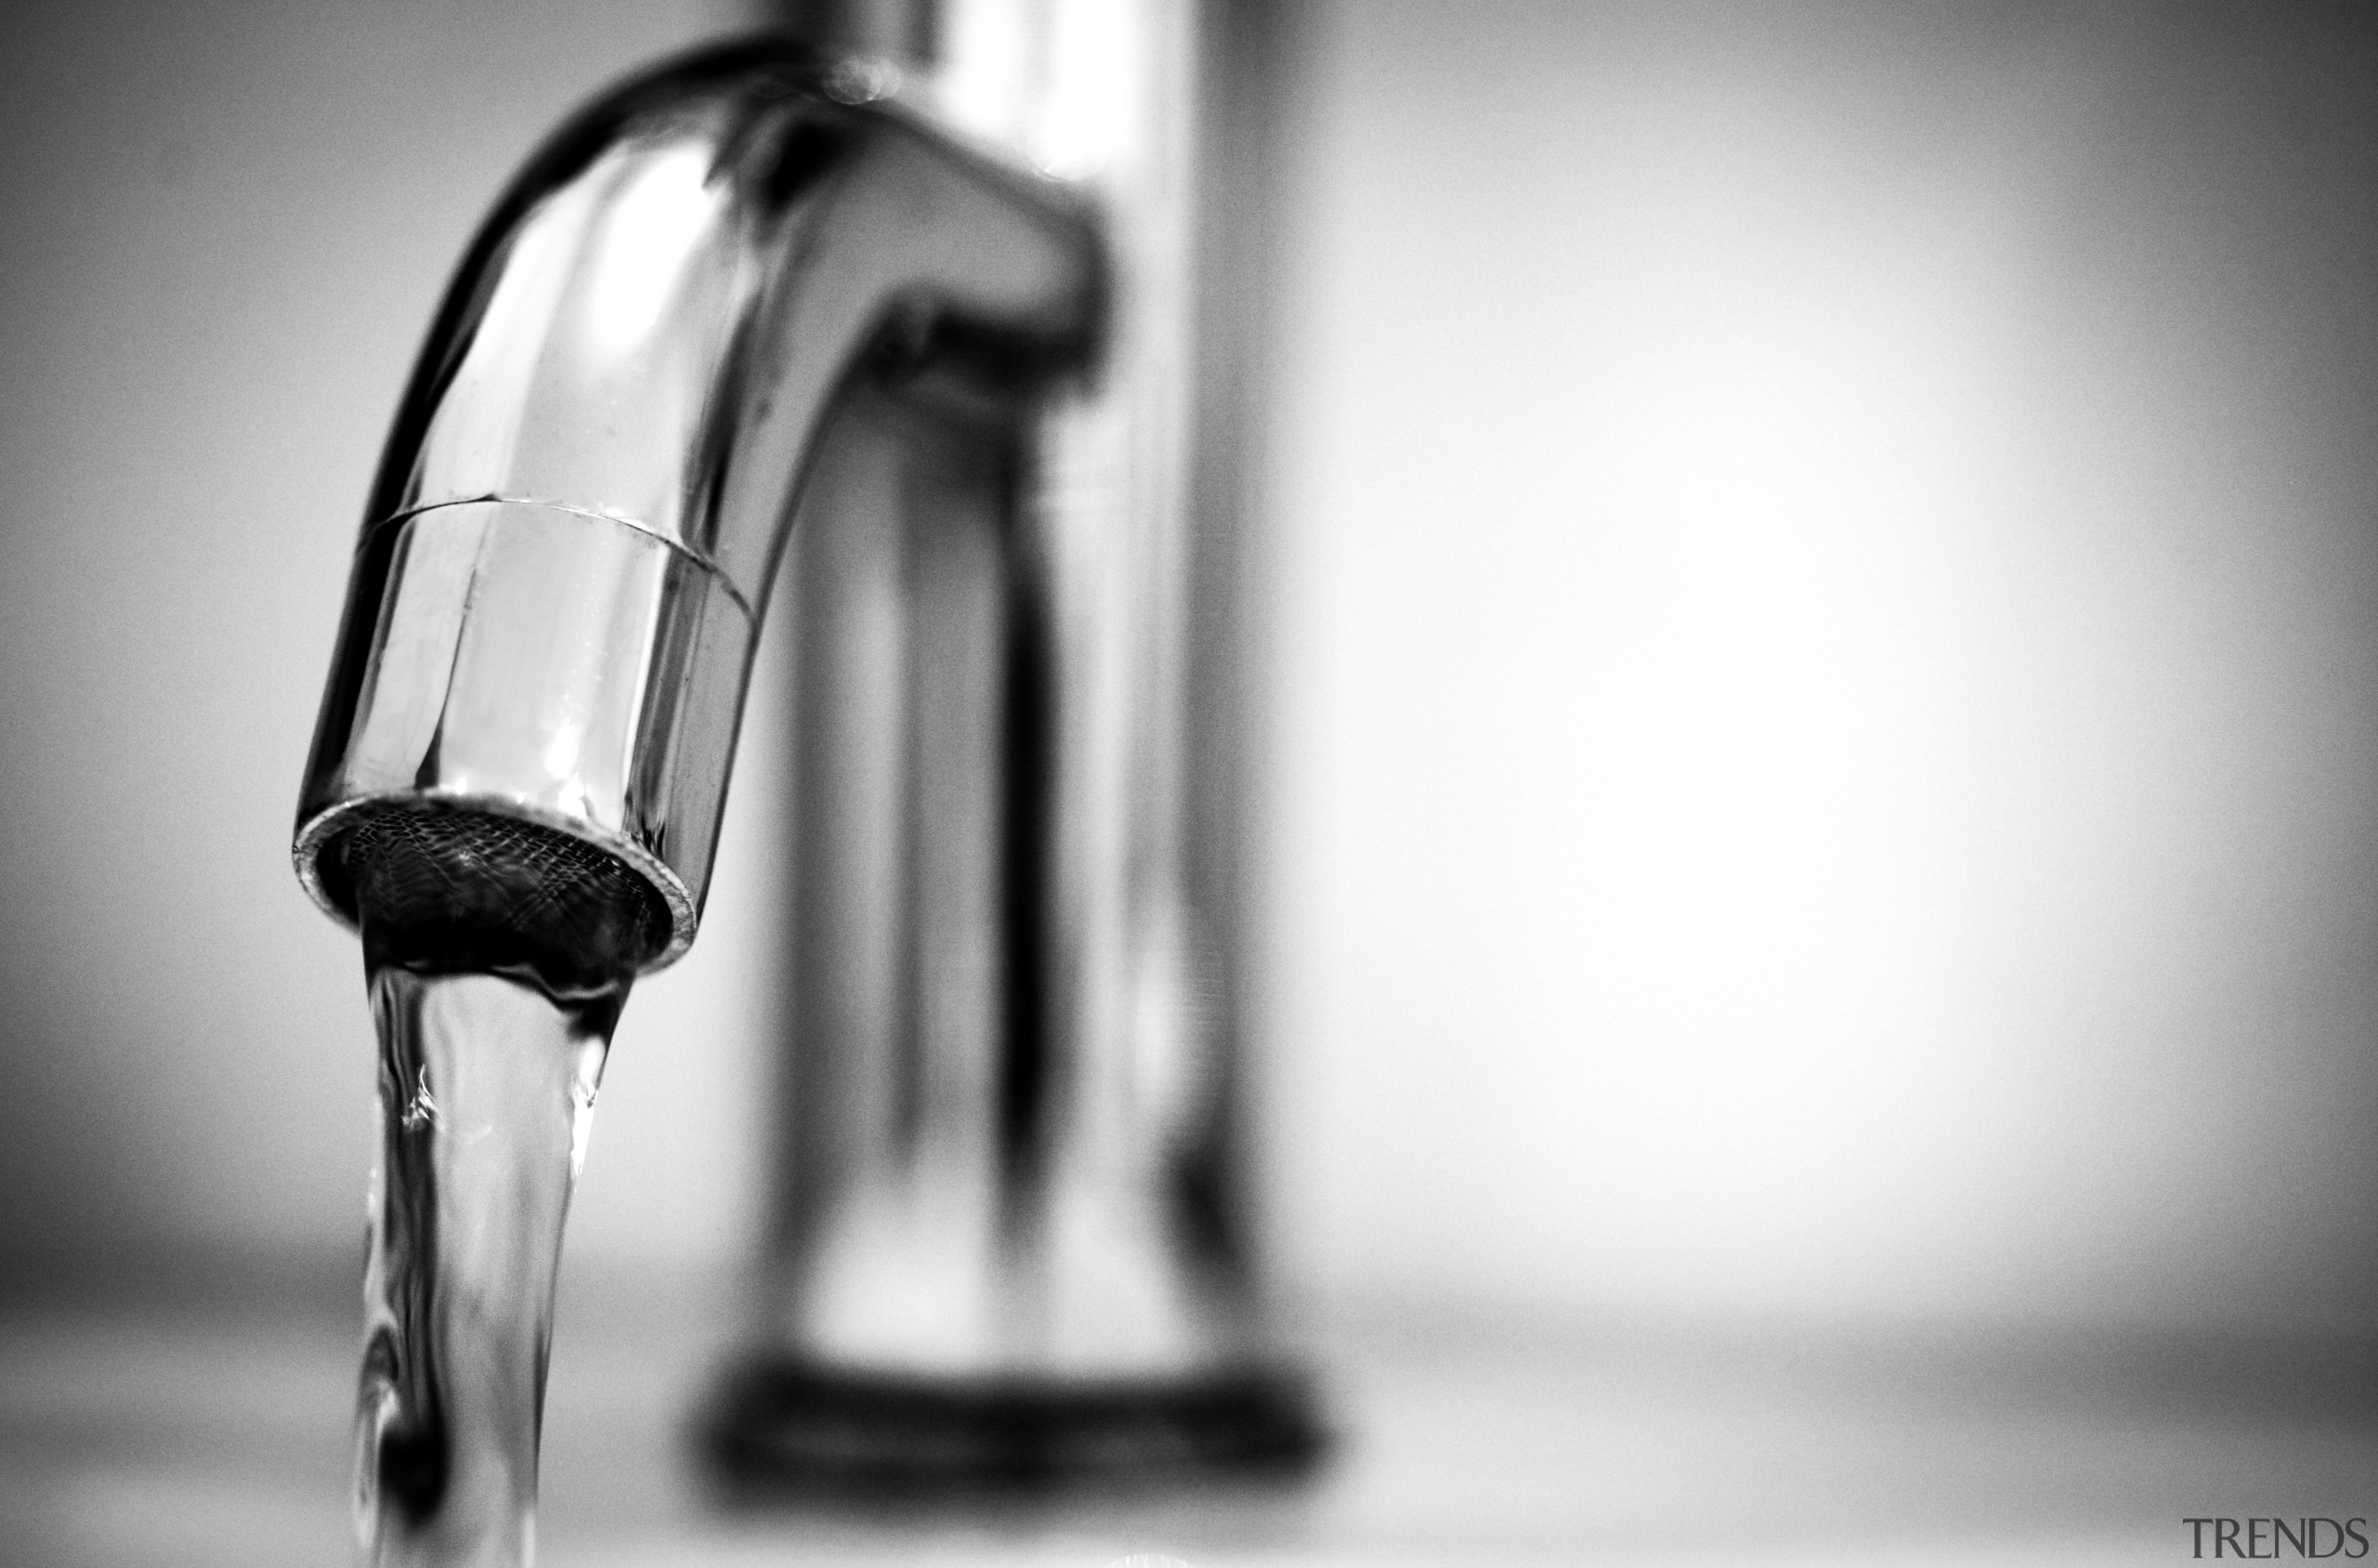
(215, 1432)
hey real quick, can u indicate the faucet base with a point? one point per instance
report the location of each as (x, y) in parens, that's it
(786, 1428)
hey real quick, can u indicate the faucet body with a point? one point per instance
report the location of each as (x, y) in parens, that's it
(801, 301)
(1011, 1236)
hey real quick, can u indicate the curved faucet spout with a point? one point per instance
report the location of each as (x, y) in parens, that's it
(555, 597)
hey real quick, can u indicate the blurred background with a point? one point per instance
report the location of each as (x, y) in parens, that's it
(1818, 621)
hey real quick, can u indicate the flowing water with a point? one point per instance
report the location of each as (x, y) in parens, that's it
(487, 1089)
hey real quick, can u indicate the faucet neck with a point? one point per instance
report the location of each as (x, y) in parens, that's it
(904, 32)
(558, 586)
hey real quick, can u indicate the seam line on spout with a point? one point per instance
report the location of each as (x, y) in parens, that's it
(717, 572)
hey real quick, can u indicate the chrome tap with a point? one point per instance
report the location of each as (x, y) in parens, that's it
(906, 295)
(556, 593)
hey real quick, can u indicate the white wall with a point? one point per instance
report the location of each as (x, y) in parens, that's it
(1826, 661)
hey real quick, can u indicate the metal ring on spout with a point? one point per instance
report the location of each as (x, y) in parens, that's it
(535, 663)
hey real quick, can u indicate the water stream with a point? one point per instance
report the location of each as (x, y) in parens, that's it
(487, 1089)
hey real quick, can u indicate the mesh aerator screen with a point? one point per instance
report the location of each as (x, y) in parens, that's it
(441, 887)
